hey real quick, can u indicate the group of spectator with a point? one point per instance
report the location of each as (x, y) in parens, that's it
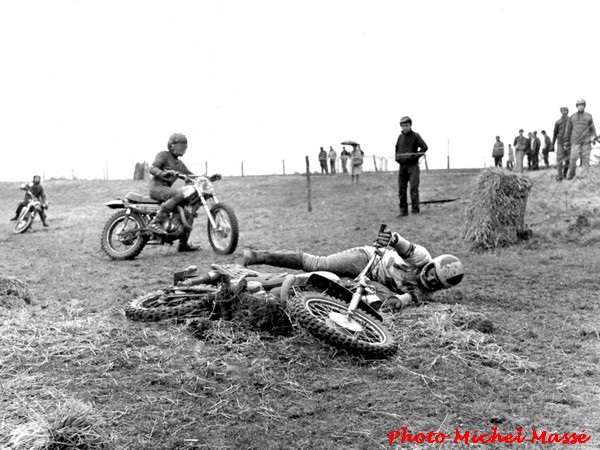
(572, 138)
(355, 157)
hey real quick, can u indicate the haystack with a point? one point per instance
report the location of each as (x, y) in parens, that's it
(495, 216)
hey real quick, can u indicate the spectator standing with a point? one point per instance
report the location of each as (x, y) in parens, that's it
(332, 159)
(528, 151)
(344, 155)
(356, 158)
(547, 149)
(521, 145)
(580, 133)
(536, 144)
(410, 146)
(563, 148)
(323, 161)
(511, 158)
(498, 152)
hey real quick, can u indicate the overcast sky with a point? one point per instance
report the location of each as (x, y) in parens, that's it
(91, 85)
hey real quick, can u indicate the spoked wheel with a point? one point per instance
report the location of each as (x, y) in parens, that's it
(172, 302)
(224, 238)
(326, 318)
(119, 241)
(24, 221)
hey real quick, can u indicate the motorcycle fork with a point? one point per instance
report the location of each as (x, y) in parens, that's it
(207, 207)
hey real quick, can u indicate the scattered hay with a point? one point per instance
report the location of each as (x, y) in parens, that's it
(72, 425)
(495, 216)
(13, 293)
(465, 334)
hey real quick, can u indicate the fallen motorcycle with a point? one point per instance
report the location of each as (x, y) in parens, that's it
(336, 311)
(28, 212)
(126, 233)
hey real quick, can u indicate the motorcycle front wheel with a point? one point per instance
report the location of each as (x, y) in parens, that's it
(224, 238)
(366, 336)
(24, 221)
(115, 242)
(172, 302)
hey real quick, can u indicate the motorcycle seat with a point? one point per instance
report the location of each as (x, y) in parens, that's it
(137, 198)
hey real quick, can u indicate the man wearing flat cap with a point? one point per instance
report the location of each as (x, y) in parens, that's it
(410, 146)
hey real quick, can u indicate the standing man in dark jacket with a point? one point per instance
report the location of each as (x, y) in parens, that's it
(563, 148)
(409, 148)
(164, 171)
(547, 148)
(498, 152)
(33, 188)
(536, 144)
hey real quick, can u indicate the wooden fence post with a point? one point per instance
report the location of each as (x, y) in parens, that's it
(308, 191)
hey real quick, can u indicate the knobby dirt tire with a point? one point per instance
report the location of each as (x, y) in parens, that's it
(224, 242)
(24, 221)
(310, 309)
(110, 241)
(171, 302)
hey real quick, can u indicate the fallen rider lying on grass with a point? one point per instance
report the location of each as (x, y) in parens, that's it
(405, 275)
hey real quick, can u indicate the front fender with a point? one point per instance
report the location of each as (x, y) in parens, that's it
(115, 204)
(330, 287)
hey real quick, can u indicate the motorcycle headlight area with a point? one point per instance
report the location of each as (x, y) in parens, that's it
(188, 191)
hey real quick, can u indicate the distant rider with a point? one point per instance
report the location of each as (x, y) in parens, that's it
(37, 191)
(164, 171)
(405, 275)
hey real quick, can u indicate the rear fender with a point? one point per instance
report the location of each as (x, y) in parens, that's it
(330, 287)
(115, 204)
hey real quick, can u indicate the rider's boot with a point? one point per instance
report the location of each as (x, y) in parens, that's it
(157, 223)
(289, 260)
(185, 245)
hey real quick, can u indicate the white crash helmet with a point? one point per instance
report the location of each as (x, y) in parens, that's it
(442, 272)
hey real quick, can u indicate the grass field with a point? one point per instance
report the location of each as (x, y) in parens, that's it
(71, 360)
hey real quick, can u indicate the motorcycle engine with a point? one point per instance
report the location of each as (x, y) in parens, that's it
(173, 225)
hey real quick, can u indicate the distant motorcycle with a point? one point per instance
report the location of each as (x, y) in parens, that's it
(28, 213)
(126, 233)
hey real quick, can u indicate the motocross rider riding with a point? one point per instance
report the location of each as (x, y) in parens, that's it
(38, 193)
(405, 275)
(164, 171)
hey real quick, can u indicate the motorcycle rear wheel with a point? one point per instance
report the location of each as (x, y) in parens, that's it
(171, 302)
(224, 239)
(311, 309)
(113, 245)
(24, 221)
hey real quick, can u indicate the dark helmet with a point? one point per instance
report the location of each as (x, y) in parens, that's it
(177, 138)
(406, 119)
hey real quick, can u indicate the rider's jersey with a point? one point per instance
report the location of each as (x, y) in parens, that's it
(397, 273)
(165, 161)
(37, 191)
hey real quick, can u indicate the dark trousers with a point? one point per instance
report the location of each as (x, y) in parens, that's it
(170, 198)
(498, 161)
(409, 173)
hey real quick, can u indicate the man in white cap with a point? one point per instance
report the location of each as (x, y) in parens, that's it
(580, 133)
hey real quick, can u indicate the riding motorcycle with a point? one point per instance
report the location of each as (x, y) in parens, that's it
(28, 213)
(342, 313)
(126, 233)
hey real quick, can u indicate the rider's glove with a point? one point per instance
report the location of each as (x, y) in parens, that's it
(385, 238)
(398, 302)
